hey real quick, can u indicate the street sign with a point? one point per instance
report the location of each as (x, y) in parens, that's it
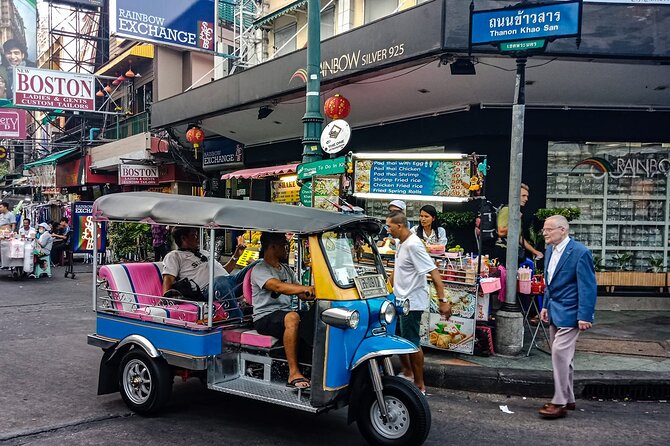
(323, 167)
(306, 194)
(524, 45)
(523, 22)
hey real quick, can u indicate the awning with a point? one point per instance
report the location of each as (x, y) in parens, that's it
(260, 172)
(273, 15)
(51, 159)
(145, 50)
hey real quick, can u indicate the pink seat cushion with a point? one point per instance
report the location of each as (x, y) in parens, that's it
(254, 339)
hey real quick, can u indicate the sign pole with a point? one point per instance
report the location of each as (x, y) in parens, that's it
(313, 119)
(509, 335)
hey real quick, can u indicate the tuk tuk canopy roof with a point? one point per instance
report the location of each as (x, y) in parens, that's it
(208, 212)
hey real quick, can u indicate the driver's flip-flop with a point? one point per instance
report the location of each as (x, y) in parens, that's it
(299, 383)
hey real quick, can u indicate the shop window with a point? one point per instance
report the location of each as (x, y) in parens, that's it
(376, 9)
(621, 190)
(328, 23)
(285, 36)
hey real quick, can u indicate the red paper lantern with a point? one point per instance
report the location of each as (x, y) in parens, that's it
(337, 107)
(195, 136)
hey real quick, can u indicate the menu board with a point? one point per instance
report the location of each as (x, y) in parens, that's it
(285, 192)
(456, 334)
(436, 178)
(325, 192)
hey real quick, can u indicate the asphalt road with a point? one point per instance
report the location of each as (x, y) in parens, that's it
(48, 376)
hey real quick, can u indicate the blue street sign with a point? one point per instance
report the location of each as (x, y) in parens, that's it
(545, 21)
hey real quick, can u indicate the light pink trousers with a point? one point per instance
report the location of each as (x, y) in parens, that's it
(563, 343)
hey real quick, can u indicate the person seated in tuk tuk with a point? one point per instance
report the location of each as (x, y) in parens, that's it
(272, 284)
(188, 262)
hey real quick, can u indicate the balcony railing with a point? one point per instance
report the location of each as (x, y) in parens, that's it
(130, 126)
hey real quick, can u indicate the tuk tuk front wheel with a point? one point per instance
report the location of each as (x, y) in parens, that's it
(145, 383)
(408, 421)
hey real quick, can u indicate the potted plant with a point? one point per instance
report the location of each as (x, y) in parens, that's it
(459, 226)
(569, 213)
(654, 277)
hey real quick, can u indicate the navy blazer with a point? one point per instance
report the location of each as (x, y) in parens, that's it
(571, 295)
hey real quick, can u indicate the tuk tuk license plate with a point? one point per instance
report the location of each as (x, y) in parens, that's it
(371, 286)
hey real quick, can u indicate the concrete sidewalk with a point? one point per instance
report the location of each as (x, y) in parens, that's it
(626, 352)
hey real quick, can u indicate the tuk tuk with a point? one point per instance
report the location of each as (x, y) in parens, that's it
(148, 339)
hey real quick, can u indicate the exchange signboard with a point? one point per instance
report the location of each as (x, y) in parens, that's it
(183, 23)
(37, 88)
(82, 228)
(522, 22)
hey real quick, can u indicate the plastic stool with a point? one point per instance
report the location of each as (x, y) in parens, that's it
(38, 267)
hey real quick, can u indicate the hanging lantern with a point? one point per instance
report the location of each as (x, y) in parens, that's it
(337, 107)
(195, 136)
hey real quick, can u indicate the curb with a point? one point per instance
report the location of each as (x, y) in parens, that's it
(531, 383)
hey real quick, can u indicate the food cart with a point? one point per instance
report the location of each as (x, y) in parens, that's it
(444, 178)
(17, 255)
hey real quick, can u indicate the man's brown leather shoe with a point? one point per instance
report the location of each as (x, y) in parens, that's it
(551, 410)
(569, 406)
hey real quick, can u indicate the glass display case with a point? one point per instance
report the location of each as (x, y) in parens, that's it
(621, 190)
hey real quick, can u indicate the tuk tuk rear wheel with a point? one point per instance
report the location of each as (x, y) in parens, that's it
(409, 415)
(145, 383)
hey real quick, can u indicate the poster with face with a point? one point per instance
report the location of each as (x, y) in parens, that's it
(18, 41)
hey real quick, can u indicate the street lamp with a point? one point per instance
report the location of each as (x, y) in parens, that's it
(313, 118)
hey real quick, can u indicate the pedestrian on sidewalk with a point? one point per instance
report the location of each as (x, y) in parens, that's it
(569, 307)
(159, 240)
(408, 278)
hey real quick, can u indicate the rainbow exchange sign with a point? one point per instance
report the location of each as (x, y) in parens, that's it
(48, 89)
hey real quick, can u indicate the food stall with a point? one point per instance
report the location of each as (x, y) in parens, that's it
(443, 178)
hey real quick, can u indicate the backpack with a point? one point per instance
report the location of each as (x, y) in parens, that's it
(487, 223)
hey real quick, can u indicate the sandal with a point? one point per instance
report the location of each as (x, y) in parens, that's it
(296, 383)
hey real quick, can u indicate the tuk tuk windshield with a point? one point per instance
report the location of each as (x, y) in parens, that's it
(350, 254)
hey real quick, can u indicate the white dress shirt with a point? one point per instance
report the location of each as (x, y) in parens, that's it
(556, 254)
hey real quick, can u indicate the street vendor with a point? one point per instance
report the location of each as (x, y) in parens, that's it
(429, 229)
(26, 230)
(7, 218)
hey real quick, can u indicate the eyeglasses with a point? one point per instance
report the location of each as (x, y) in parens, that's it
(551, 229)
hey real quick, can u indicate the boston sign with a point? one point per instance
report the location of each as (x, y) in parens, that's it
(36, 88)
(184, 23)
(137, 174)
(545, 21)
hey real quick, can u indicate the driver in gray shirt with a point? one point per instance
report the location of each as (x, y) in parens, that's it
(272, 284)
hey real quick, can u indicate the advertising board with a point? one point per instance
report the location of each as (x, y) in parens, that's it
(137, 174)
(82, 228)
(12, 123)
(185, 23)
(18, 41)
(37, 88)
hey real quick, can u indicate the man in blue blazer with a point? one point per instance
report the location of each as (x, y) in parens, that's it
(569, 306)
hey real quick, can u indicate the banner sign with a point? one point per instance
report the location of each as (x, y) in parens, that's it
(12, 123)
(81, 2)
(419, 178)
(137, 174)
(324, 167)
(285, 192)
(82, 228)
(545, 21)
(37, 88)
(326, 193)
(18, 41)
(183, 23)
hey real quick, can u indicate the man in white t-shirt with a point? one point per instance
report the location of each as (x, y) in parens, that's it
(412, 263)
(191, 263)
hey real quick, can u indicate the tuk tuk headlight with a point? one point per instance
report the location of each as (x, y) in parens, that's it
(341, 317)
(387, 313)
(405, 307)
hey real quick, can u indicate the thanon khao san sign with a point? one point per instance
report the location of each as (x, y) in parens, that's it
(532, 24)
(37, 88)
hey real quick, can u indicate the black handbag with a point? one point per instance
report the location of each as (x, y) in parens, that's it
(189, 290)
